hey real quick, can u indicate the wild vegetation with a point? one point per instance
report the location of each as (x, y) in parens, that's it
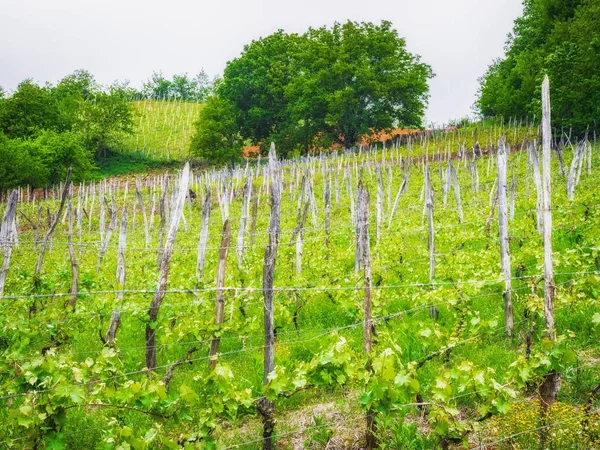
(560, 38)
(46, 129)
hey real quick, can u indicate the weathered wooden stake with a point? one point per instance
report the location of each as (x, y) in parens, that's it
(551, 384)
(504, 241)
(537, 178)
(362, 206)
(220, 292)
(8, 235)
(243, 221)
(433, 311)
(140, 201)
(72, 301)
(159, 294)
(115, 319)
(265, 406)
(203, 236)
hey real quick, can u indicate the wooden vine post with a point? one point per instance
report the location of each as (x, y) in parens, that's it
(265, 406)
(504, 242)
(433, 311)
(72, 301)
(165, 263)
(203, 236)
(8, 235)
(551, 383)
(362, 207)
(115, 319)
(220, 293)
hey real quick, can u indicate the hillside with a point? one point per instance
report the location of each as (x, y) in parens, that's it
(163, 129)
(440, 371)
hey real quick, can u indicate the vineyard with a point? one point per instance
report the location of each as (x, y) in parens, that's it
(162, 128)
(440, 292)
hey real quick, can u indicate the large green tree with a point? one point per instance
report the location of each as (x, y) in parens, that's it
(217, 138)
(326, 85)
(557, 37)
(30, 110)
(103, 121)
(256, 82)
(359, 77)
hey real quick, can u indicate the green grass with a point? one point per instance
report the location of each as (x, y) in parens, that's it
(117, 163)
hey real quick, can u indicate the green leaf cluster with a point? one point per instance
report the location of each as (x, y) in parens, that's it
(326, 86)
(560, 38)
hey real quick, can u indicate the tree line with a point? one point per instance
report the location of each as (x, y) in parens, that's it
(75, 123)
(560, 38)
(44, 130)
(304, 91)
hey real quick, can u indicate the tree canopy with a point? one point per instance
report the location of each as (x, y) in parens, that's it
(560, 38)
(328, 85)
(217, 137)
(46, 129)
(180, 87)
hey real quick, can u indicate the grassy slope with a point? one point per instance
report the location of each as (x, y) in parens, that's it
(163, 129)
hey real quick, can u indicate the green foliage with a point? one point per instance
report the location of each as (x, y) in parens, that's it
(181, 87)
(217, 139)
(62, 387)
(557, 37)
(255, 82)
(325, 86)
(366, 80)
(395, 433)
(43, 160)
(47, 129)
(29, 111)
(105, 120)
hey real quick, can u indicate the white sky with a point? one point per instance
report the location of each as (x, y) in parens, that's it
(128, 39)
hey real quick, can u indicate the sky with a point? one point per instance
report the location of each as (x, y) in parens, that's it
(129, 39)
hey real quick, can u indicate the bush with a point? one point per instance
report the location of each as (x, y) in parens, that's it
(43, 160)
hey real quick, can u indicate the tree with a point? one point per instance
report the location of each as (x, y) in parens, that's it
(157, 87)
(71, 92)
(217, 138)
(59, 151)
(181, 87)
(105, 119)
(560, 38)
(256, 82)
(365, 80)
(43, 160)
(326, 85)
(30, 110)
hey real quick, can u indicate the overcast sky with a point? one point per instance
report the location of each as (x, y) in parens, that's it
(128, 39)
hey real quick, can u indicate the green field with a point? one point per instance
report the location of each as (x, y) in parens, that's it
(61, 387)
